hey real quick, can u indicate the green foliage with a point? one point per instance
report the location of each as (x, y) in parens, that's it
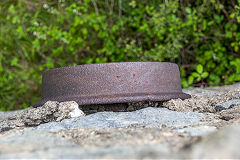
(199, 74)
(202, 37)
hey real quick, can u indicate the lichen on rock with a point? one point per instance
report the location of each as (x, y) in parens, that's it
(202, 103)
(50, 111)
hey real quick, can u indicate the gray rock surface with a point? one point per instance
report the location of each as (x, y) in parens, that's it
(7, 114)
(130, 142)
(223, 144)
(149, 116)
(203, 92)
(226, 88)
(198, 131)
(227, 105)
(52, 146)
(191, 128)
(230, 114)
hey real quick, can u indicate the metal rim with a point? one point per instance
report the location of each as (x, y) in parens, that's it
(118, 98)
(164, 76)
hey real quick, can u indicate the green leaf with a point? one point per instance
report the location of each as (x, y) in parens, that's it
(16, 19)
(198, 79)
(204, 75)
(237, 77)
(14, 62)
(12, 10)
(232, 78)
(184, 83)
(199, 68)
(232, 15)
(1, 68)
(36, 44)
(182, 72)
(236, 48)
(195, 75)
(190, 79)
(84, 31)
(188, 10)
(132, 4)
(49, 62)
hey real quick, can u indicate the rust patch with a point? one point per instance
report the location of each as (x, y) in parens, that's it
(149, 94)
(134, 75)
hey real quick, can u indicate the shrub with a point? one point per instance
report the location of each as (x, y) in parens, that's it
(202, 37)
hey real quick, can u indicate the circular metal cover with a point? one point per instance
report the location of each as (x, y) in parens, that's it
(112, 83)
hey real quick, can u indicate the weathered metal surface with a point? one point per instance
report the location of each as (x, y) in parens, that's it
(112, 83)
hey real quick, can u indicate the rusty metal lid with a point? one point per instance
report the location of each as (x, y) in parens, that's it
(107, 83)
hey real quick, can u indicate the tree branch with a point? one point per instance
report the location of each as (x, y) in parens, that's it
(119, 8)
(95, 6)
(225, 12)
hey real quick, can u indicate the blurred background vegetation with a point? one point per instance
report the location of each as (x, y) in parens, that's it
(201, 36)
